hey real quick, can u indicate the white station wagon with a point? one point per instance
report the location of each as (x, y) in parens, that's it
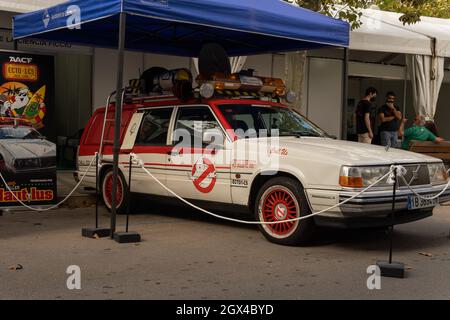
(303, 171)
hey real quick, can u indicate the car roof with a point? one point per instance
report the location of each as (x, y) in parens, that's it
(159, 101)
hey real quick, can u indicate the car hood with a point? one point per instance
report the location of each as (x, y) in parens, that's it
(348, 152)
(25, 149)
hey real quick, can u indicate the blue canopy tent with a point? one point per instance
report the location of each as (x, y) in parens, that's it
(181, 27)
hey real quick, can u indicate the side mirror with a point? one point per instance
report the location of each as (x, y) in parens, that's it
(213, 137)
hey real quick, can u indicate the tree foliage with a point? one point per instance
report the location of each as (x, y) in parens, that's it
(349, 10)
(413, 9)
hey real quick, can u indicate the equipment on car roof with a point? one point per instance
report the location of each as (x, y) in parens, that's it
(214, 79)
(213, 59)
(160, 80)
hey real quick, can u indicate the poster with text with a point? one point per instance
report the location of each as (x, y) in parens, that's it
(27, 158)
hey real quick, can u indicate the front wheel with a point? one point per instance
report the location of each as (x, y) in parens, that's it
(121, 192)
(281, 199)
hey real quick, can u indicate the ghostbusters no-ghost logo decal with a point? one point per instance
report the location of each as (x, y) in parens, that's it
(204, 175)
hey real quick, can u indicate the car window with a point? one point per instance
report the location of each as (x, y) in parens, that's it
(192, 123)
(255, 120)
(11, 132)
(154, 127)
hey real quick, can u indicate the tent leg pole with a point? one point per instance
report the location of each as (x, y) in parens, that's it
(118, 119)
(344, 95)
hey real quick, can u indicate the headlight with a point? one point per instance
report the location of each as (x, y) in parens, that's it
(27, 163)
(438, 175)
(360, 177)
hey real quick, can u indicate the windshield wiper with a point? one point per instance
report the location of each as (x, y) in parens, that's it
(300, 134)
(291, 134)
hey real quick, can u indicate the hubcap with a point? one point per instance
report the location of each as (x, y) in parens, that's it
(281, 211)
(278, 203)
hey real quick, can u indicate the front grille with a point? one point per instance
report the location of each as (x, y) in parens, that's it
(417, 175)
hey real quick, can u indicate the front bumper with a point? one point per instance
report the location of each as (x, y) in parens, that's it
(374, 202)
(370, 209)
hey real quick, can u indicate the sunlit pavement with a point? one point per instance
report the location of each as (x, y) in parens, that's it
(185, 255)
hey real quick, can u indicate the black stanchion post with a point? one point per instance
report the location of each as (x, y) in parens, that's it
(96, 232)
(96, 190)
(129, 193)
(127, 236)
(389, 268)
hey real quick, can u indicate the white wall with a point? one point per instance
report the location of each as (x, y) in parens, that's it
(104, 75)
(105, 69)
(325, 94)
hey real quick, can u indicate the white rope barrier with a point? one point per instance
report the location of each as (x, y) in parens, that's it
(59, 203)
(419, 195)
(401, 171)
(140, 163)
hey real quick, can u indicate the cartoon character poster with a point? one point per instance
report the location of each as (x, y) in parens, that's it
(27, 157)
(26, 88)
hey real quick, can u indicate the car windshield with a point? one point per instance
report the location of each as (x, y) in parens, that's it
(255, 119)
(11, 132)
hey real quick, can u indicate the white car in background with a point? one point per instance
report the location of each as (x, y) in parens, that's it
(23, 150)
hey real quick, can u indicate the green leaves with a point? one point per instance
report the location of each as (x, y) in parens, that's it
(413, 9)
(348, 10)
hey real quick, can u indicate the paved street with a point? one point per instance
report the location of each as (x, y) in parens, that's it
(185, 255)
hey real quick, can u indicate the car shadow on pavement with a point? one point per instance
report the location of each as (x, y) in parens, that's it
(179, 210)
(405, 238)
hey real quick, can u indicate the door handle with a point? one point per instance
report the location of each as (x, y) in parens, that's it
(173, 153)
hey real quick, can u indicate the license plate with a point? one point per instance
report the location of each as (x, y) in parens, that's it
(415, 202)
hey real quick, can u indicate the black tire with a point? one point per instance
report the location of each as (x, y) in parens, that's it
(283, 198)
(122, 189)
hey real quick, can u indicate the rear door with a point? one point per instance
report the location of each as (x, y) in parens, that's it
(198, 169)
(151, 146)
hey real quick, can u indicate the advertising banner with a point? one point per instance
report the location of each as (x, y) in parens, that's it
(27, 158)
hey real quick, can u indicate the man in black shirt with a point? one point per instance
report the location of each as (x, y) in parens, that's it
(390, 118)
(363, 124)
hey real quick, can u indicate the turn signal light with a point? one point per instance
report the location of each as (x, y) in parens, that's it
(351, 182)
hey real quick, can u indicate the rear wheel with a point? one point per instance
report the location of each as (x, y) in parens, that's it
(121, 192)
(281, 199)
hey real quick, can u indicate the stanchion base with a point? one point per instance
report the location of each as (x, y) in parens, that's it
(127, 237)
(91, 232)
(393, 270)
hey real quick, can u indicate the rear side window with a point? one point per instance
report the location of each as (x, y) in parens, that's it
(154, 127)
(190, 125)
(94, 133)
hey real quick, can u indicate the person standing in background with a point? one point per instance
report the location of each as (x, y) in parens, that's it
(390, 118)
(363, 123)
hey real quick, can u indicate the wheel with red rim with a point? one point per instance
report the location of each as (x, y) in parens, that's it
(282, 199)
(121, 192)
